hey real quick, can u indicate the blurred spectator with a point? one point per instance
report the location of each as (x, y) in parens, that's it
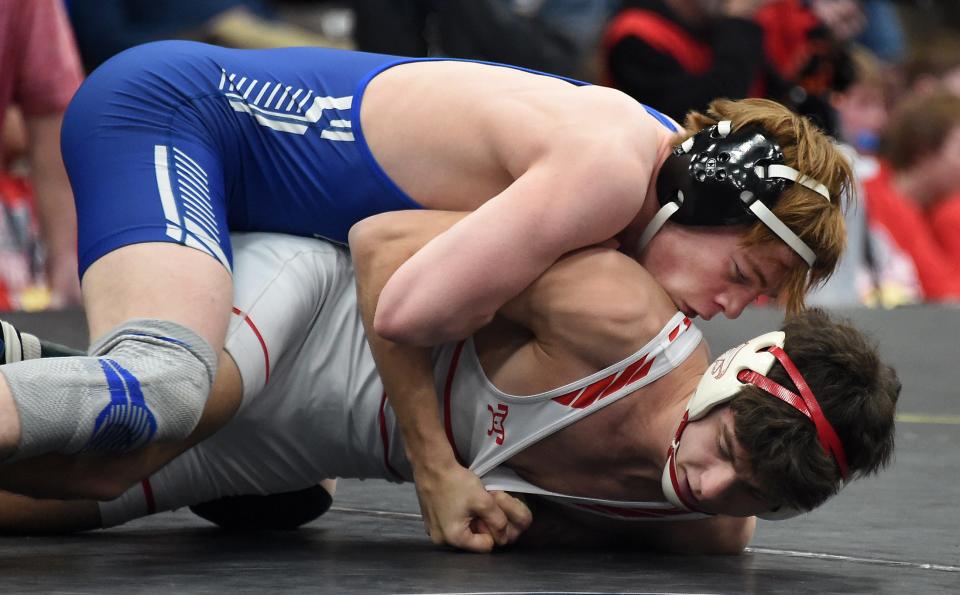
(934, 64)
(853, 282)
(678, 55)
(106, 27)
(555, 36)
(872, 270)
(884, 34)
(921, 151)
(806, 44)
(863, 107)
(928, 144)
(846, 19)
(945, 219)
(39, 72)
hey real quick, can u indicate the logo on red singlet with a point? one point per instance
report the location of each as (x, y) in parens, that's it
(496, 422)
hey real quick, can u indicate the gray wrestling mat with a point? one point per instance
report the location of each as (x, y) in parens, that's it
(897, 533)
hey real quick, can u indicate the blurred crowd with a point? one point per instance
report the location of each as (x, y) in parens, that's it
(882, 76)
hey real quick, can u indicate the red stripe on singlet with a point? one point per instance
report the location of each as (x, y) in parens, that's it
(263, 344)
(606, 386)
(448, 419)
(385, 437)
(148, 496)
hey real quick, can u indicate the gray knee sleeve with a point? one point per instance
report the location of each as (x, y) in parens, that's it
(146, 380)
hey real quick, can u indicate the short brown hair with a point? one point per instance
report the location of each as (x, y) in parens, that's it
(933, 58)
(919, 127)
(811, 152)
(858, 394)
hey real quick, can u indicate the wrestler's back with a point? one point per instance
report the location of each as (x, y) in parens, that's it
(283, 124)
(454, 134)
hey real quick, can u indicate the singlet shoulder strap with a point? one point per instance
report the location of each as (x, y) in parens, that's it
(534, 417)
(507, 480)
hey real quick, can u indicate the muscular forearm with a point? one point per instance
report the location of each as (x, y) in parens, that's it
(379, 246)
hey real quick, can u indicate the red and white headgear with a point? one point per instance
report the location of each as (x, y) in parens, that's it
(748, 364)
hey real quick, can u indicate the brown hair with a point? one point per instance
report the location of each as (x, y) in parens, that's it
(933, 58)
(811, 152)
(867, 68)
(858, 394)
(919, 127)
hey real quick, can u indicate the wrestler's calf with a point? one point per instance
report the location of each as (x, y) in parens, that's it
(145, 381)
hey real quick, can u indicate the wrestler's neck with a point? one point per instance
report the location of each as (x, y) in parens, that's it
(630, 236)
(660, 422)
(650, 417)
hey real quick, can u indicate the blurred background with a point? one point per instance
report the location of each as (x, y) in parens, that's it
(881, 76)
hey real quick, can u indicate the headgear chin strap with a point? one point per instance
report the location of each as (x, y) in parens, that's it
(749, 363)
(719, 177)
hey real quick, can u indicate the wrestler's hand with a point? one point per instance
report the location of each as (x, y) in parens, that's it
(458, 511)
(518, 514)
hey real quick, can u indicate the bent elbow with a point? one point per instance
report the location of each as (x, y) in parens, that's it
(736, 540)
(400, 324)
(407, 328)
(424, 327)
(388, 325)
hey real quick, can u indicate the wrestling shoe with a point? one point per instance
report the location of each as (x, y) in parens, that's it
(268, 512)
(17, 346)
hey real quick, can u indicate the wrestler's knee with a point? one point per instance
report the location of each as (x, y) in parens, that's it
(173, 366)
(147, 381)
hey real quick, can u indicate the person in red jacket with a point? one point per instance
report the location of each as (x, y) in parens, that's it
(921, 159)
(677, 55)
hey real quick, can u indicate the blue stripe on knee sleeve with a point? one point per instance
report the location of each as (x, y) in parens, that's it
(126, 422)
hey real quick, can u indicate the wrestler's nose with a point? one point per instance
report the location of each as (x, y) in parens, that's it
(716, 482)
(733, 301)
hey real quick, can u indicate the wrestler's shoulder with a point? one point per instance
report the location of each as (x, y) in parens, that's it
(619, 305)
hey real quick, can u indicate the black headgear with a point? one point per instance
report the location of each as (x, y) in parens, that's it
(719, 177)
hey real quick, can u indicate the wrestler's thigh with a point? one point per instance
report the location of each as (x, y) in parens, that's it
(148, 181)
(161, 281)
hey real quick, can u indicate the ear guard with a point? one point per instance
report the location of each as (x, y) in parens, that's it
(750, 363)
(719, 177)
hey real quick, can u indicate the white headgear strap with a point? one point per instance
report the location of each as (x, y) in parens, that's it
(760, 210)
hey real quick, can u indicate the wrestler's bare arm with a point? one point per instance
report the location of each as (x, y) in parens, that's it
(574, 195)
(23, 515)
(456, 508)
(596, 304)
(590, 318)
(107, 477)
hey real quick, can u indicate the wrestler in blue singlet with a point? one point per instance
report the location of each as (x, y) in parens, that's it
(179, 141)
